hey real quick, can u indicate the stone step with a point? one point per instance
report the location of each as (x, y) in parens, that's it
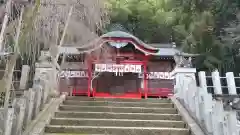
(117, 122)
(116, 130)
(116, 104)
(112, 115)
(79, 98)
(117, 109)
(69, 134)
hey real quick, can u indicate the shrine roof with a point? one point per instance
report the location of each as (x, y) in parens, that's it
(167, 49)
(121, 34)
(161, 51)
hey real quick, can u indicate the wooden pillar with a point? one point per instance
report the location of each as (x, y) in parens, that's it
(145, 83)
(89, 78)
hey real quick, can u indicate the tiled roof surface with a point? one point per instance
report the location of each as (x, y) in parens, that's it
(161, 52)
(163, 49)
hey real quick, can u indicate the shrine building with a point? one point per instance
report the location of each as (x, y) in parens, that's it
(118, 65)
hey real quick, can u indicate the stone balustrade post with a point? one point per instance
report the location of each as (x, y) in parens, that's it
(53, 83)
(26, 97)
(197, 104)
(24, 77)
(37, 100)
(9, 122)
(47, 90)
(31, 96)
(15, 119)
(205, 102)
(45, 66)
(202, 80)
(231, 83)
(2, 121)
(232, 115)
(19, 111)
(216, 82)
(22, 105)
(218, 111)
(180, 80)
(177, 87)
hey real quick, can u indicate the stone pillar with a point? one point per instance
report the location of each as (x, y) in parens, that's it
(185, 89)
(218, 111)
(24, 77)
(9, 122)
(45, 71)
(182, 76)
(22, 105)
(53, 81)
(202, 81)
(45, 66)
(205, 102)
(216, 82)
(232, 114)
(31, 96)
(231, 83)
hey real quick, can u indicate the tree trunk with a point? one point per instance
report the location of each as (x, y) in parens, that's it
(64, 33)
(8, 75)
(5, 22)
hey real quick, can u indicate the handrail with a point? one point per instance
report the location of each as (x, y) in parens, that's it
(214, 112)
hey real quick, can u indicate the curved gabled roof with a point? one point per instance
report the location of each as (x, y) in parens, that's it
(121, 34)
(148, 49)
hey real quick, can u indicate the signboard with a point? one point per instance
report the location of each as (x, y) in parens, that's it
(73, 74)
(150, 75)
(158, 75)
(118, 68)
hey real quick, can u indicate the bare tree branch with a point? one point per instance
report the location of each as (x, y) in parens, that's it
(5, 22)
(8, 75)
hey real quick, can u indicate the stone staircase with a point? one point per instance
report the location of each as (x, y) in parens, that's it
(82, 115)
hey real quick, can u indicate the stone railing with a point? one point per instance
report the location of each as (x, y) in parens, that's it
(26, 107)
(214, 111)
(19, 84)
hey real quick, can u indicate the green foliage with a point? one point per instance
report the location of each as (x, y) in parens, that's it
(150, 20)
(197, 26)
